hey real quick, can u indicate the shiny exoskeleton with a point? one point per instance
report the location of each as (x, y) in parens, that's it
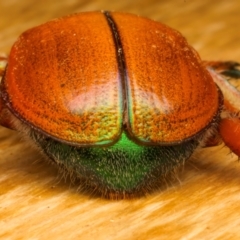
(118, 101)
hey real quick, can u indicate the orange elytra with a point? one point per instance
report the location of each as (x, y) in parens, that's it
(117, 99)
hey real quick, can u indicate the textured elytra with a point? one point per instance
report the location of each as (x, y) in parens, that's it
(63, 78)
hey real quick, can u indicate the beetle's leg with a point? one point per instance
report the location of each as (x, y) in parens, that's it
(5, 117)
(230, 70)
(229, 127)
(227, 68)
(3, 63)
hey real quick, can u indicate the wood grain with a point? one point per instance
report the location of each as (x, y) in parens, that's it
(36, 203)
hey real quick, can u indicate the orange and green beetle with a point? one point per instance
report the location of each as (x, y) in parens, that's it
(117, 100)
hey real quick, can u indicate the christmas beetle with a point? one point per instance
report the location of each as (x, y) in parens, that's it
(116, 100)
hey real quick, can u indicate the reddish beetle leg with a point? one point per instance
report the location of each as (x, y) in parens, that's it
(4, 120)
(3, 63)
(229, 127)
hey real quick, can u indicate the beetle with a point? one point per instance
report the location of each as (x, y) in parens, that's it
(116, 100)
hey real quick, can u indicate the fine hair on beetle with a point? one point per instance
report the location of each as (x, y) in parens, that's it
(164, 181)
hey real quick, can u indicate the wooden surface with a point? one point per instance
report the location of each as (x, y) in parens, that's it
(35, 203)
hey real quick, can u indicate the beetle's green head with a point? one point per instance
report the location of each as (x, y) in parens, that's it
(124, 169)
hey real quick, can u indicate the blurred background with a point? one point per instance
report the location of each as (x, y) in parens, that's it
(208, 25)
(204, 204)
